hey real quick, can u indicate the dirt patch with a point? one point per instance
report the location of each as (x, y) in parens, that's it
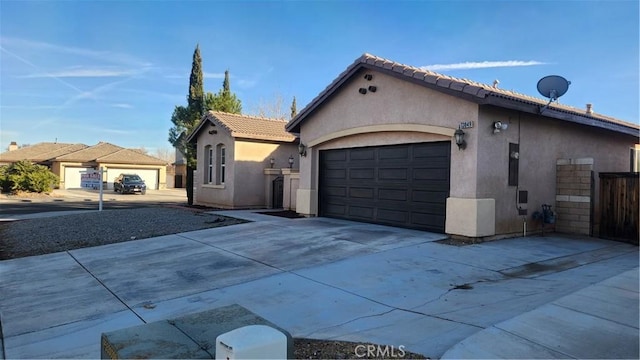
(24, 195)
(284, 213)
(458, 242)
(330, 349)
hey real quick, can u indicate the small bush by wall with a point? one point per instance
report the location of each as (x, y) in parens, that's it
(26, 176)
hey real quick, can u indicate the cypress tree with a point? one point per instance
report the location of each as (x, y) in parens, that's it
(294, 109)
(225, 100)
(185, 119)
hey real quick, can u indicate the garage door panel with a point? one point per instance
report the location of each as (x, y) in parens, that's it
(336, 155)
(394, 153)
(427, 220)
(362, 212)
(402, 185)
(393, 174)
(393, 194)
(336, 173)
(393, 216)
(421, 196)
(336, 191)
(361, 193)
(362, 174)
(336, 210)
(362, 154)
(73, 176)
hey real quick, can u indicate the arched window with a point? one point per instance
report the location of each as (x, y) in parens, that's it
(208, 161)
(221, 154)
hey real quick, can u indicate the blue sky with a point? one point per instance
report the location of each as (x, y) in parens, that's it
(90, 71)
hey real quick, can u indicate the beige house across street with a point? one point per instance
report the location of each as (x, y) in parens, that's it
(69, 161)
(244, 162)
(381, 147)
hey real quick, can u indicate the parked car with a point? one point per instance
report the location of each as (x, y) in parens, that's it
(129, 183)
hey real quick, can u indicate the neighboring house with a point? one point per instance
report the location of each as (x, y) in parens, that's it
(380, 148)
(234, 155)
(68, 161)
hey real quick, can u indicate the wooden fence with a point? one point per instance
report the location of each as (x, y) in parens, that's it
(619, 206)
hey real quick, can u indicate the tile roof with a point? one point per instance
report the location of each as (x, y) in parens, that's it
(40, 152)
(130, 156)
(247, 127)
(101, 152)
(91, 153)
(471, 90)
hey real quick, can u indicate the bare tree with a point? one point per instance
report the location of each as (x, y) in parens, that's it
(166, 154)
(272, 108)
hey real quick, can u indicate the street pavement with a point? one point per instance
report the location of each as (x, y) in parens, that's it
(333, 279)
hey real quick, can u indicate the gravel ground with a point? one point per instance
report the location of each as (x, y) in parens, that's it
(61, 233)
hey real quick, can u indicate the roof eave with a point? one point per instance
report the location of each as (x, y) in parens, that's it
(468, 92)
(566, 115)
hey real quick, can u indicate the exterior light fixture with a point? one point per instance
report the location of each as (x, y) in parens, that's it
(302, 149)
(499, 126)
(290, 161)
(362, 91)
(459, 137)
(271, 162)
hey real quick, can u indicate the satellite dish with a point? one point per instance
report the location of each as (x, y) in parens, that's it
(552, 87)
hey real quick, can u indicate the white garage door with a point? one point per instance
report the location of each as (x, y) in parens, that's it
(150, 176)
(72, 177)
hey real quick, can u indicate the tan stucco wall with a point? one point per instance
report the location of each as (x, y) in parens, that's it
(246, 160)
(251, 158)
(398, 112)
(212, 194)
(542, 142)
(402, 112)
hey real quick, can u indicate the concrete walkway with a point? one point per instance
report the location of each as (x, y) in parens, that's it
(317, 278)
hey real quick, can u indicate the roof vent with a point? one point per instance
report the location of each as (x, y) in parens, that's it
(495, 83)
(589, 109)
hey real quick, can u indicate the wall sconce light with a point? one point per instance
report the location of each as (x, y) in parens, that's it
(271, 162)
(290, 161)
(362, 91)
(302, 149)
(499, 126)
(373, 88)
(459, 137)
(368, 77)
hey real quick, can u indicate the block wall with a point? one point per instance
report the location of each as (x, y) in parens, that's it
(574, 196)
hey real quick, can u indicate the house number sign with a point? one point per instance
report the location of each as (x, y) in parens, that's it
(466, 125)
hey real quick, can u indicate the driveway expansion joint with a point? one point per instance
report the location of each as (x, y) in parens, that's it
(106, 287)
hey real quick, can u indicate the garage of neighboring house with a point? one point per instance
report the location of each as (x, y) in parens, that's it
(69, 161)
(402, 185)
(73, 176)
(150, 176)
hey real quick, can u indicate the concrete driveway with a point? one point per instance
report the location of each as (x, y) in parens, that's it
(317, 278)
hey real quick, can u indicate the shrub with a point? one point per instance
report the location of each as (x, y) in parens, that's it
(26, 176)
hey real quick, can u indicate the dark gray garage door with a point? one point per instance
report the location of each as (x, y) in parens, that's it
(400, 185)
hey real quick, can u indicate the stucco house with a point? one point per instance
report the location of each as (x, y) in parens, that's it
(381, 148)
(68, 161)
(238, 159)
